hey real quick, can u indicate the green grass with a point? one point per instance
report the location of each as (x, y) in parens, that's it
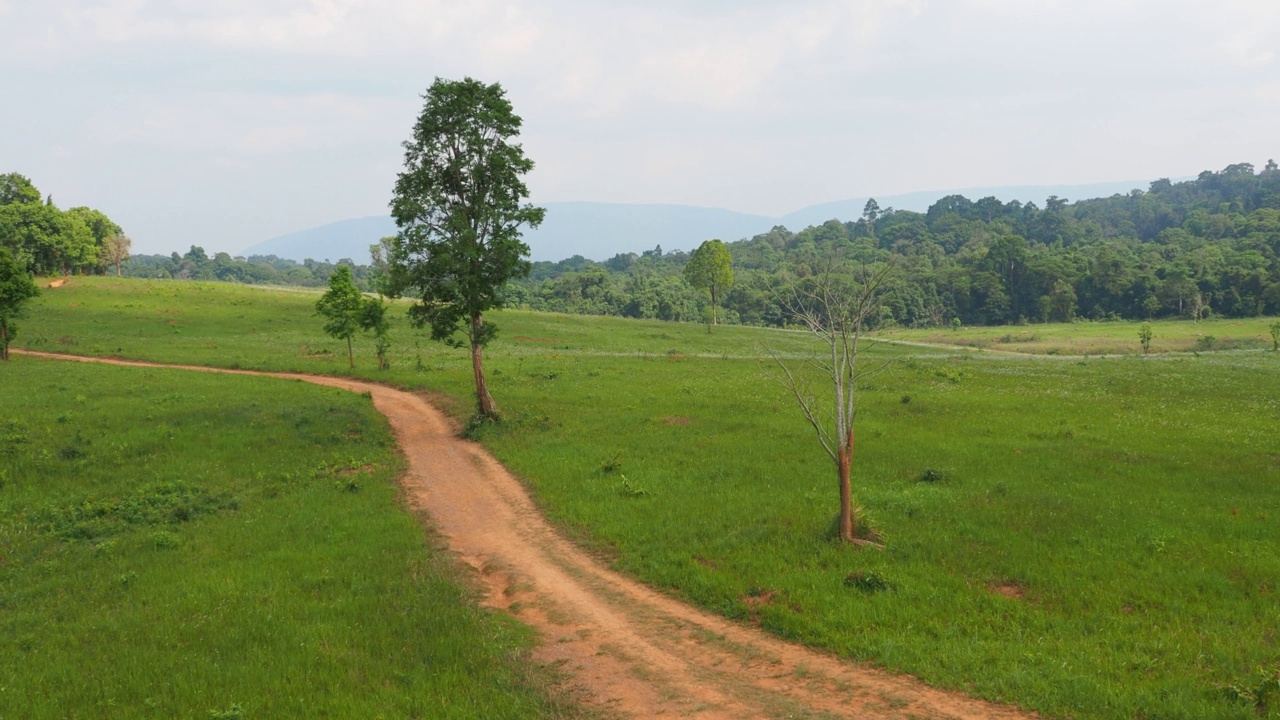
(1104, 540)
(174, 544)
(1104, 338)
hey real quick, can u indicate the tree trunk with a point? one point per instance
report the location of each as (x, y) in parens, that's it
(4, 340)
(117, 268)
(848, 520)
(484, 401)
(715, 320)
(351, 355)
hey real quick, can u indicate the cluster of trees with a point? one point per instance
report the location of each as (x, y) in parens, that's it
(1190, 249)
(47, 241)
(196, 264)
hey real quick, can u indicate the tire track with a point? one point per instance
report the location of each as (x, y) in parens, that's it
(629, 650)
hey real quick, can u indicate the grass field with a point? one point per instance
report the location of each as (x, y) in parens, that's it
(1105, 338)
(181, 545)
(1088, 537)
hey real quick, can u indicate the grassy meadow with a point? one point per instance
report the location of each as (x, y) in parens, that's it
(1104, 338)
(1088, 537)
(182, 545)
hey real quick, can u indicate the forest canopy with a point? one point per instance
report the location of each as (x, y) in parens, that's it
(1189, 249)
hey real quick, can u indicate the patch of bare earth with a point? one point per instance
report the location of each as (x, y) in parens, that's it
(627, 649)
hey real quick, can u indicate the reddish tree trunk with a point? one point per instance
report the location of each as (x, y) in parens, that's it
(484, 401)
(848, 526)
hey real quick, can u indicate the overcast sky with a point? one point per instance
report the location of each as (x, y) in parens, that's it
(226, 122)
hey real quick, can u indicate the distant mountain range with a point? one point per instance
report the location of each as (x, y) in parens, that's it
(599, 231)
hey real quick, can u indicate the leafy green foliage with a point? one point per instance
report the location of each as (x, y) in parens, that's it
(710, 268)
(161, 504)
(1210, 245)
(460, 205)
(867, 582)
(373, 318)
(43, 238)
(16, 289)
(343, 308)
(1144, 337)
(1261, 692)
(195, 264)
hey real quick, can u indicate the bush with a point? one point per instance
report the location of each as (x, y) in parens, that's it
(867, 582)
(931, 476)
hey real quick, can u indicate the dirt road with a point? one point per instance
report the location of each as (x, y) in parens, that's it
(632, 651)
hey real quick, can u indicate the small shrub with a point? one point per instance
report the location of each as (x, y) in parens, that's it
(478, 423)
(866, 581)
(613, 464)
(1144, 336)
(1206, 342)
(235, 712)
(165, 540)
(931, 476)
(906, 399)
(1262, 691)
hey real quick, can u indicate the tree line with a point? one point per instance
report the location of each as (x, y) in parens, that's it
(1208, 246)
(196, 264)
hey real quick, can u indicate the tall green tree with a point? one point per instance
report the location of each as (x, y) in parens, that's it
(16, 288)
(711, 269)
(342, 305)
(460, 205)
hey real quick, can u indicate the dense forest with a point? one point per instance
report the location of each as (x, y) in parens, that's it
(1209, 246)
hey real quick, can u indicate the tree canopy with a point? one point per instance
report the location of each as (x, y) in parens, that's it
(710, 268)
(16, 288)
(47, 240)
(342, 307)
(459, 205)
(1205, 246)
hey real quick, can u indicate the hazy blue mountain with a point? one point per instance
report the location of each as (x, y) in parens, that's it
(333, 242)
(599, 231)
(594, 230)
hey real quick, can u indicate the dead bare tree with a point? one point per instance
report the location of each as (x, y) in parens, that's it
(836, 308)
(115, 250)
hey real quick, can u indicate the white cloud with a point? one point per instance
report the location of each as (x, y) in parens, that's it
(760, 106)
